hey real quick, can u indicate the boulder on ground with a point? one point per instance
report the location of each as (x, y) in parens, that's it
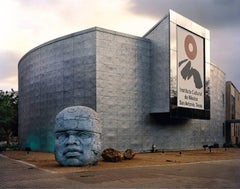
(129, 154)
(112, 155)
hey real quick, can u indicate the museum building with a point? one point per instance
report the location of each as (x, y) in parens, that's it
(157, 89)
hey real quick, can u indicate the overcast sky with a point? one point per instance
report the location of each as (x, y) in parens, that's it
(26, 24)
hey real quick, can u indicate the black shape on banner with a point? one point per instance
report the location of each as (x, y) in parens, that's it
(187, 72)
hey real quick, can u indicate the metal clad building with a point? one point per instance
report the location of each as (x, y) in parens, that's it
(133, 84)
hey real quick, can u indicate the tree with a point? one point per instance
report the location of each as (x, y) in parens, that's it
(8, 114)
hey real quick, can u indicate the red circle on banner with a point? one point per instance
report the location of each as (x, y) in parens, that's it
(191, 53)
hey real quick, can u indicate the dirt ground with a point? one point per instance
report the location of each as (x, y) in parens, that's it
(47, 161)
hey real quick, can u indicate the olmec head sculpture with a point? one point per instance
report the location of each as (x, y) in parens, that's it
(77, 137)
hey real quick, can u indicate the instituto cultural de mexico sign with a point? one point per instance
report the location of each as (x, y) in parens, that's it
(190, 69)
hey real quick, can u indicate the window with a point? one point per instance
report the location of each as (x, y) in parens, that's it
(223, 99)
(232, 101)
(223, 130)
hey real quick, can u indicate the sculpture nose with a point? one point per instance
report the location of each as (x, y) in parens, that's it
(72, 140)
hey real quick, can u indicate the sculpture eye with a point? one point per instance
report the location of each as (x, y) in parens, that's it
(61, 136)
(84, 135)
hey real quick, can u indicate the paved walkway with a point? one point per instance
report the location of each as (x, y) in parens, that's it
(214, 174)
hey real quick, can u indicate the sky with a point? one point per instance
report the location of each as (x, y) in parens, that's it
(26, 24)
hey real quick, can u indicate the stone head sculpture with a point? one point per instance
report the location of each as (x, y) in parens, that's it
(77, 137)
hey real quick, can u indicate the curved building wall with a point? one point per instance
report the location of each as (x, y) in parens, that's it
(218, 104)
(123, 90)
(53, 76)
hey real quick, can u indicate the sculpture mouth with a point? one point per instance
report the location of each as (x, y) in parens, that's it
(72, 153)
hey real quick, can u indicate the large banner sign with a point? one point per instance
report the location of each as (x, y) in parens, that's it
(190, 70)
